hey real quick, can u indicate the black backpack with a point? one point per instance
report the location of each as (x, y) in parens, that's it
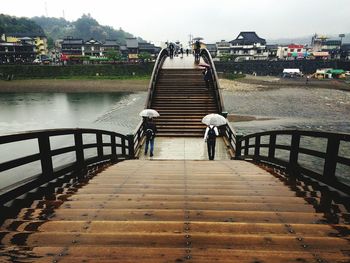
(149, 134)
(211, 134)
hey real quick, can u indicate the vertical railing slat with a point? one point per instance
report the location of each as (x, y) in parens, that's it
(79, 150)
(293, 167)
(272, 146)
(330, 164)
(45, 154)
(99, 141)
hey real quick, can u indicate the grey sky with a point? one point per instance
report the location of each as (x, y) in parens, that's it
(156, 20)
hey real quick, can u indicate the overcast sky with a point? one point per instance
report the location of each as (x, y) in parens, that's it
(156, 20)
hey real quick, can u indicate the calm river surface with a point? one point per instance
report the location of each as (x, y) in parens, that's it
(319, 109)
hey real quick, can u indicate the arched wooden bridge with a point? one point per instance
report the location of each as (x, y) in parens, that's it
(178, 206)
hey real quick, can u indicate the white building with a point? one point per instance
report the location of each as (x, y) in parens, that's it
(248, 46)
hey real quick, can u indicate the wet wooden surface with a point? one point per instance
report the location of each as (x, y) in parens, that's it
(177, 211)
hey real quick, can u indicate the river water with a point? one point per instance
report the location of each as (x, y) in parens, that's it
(317, 109)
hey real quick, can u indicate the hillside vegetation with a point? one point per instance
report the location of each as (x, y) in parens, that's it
(85, 27)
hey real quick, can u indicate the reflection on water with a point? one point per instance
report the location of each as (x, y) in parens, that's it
(35, 111)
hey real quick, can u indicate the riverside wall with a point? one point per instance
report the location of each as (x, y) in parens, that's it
(261, 67)
(274, 68)
(50, 71)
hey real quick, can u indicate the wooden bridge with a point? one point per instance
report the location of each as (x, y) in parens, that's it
(183, 209)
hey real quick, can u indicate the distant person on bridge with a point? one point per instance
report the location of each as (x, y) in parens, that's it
(197, 49)
(207, 77)
(171, 50)
(187, 51)
(210, 137)
(150, 131)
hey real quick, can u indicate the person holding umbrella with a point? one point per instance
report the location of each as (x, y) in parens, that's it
(150, 132)
(211, 132)
(210, 138)
(150, 128)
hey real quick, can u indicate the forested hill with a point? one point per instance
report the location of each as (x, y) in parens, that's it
(22, 25)
(85, 27)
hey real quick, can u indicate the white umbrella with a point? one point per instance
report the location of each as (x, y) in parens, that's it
(150, 113)
(198, 38)
(214, 119)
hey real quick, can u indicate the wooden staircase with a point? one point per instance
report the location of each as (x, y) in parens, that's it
(178, 211)
(182, 99)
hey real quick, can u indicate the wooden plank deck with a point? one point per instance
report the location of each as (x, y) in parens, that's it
(176, 211)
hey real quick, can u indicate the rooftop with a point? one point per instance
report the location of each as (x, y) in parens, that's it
(248, 38)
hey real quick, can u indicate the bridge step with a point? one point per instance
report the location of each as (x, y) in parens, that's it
(182, 94)
(149, 211)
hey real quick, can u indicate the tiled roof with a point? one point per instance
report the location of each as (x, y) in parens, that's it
(72, 41)
(248, 38)
(132, 43)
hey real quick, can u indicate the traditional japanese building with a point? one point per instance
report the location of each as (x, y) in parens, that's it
(132, 46)
(248, 46)
(92, 48)
(72, 46)
(39, 41)
(18, 52)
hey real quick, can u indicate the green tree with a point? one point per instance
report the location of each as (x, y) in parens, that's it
(50, 43)
(145, 56)
(114, 55)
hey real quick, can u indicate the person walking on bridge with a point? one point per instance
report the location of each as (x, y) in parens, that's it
(197, 49)
(210, 138)
(150, 132)
(171, 50)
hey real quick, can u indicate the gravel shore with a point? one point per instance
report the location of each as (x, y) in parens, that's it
(254, 83)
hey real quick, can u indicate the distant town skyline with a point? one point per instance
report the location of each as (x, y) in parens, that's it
(160, 21)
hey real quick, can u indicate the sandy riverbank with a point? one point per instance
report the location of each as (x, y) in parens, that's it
(73, 85)
(249, 83)
(253, 83)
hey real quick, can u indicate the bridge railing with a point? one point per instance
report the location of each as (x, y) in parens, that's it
(227, 131)
(105, 146)
(208, 59)
(138, 134)
(326, 159)
(155, 74)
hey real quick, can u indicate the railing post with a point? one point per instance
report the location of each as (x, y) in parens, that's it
(130, 138)
(79, 151)
(99, 142)
(45, 154)
(114, 157)
(238, 146)
(293, 167)
(330, 164)
(257, 148)
(246, 146)
(272, 147)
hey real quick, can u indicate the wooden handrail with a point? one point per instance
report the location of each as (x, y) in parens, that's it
(293, 165)
(227, 131)
(208, 59)
(154, 78)
(46, 154)
(139, 131)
